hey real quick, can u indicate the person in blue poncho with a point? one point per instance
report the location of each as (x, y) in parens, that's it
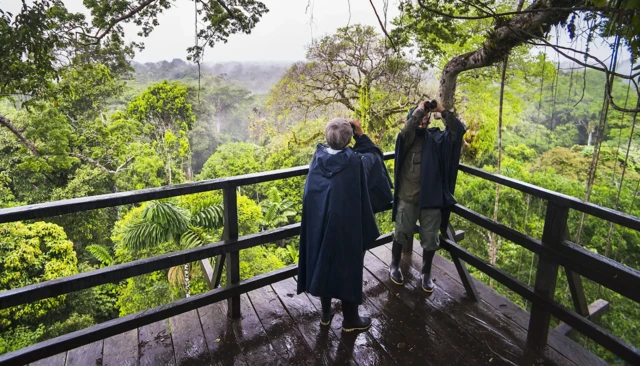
(426, 166)
(344, 188)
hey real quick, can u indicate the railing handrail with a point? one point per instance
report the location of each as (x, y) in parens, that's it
(61, 207)
(608, 214)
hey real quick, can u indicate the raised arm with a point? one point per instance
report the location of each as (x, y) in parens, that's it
(408, 132)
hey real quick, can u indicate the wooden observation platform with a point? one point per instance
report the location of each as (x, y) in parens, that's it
(261, 321)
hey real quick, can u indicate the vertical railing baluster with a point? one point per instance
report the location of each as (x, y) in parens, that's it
(555, 227)
(233, 258)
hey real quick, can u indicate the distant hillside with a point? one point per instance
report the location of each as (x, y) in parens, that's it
(257, 77)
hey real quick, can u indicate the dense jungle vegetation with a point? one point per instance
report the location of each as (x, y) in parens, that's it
(99, 123)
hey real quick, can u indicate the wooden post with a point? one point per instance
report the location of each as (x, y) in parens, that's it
(577, 293)
(233, 258)
(461, 266)
(217, 270)
(555, 227)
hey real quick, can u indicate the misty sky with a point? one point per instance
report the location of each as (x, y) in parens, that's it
(281, 34)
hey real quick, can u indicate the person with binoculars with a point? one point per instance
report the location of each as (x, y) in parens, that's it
(426, 166)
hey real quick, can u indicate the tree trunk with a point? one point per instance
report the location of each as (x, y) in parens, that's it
(503, 38)
(187, 280)
(168, 170)
(4, 121)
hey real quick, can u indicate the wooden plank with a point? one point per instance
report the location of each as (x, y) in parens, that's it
(117, 273)
(519, 317)
(188, 340)
(121, 349)
(218, 332)
(324, 344)
(405, 337)
(463, 342)
(56, 360)
(487, 324)
(155, 345)
(364, 348)
(132, 321)
(282, 332)
(595, 311)
(555, 228)
(251, 336)
(88, 355)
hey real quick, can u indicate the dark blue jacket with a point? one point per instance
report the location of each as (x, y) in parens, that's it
(378, 180)
(439, 167)
(338, 224)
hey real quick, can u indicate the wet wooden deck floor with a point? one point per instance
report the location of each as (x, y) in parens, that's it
(279, 327)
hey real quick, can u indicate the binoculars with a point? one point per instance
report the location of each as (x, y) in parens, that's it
(430, 105)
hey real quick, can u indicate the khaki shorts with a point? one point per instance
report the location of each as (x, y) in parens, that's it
(406, 218)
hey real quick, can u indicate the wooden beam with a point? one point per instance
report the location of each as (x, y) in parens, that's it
(596, 267)
(117, 273)
(555, 227)
(217, 271)
(595, 311)
(577, 292)
(230, 234)
(607, 214)
(208, 272)
(461, 267)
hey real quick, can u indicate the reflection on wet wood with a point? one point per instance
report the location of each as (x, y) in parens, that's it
(218, 332)
(155, 345)
(188, 340)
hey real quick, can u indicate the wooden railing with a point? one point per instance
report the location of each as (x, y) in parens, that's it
(553, 250)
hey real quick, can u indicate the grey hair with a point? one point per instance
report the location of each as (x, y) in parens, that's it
(338, 133)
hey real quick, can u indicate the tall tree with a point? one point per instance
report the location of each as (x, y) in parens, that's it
(510, 29)
(353, 68)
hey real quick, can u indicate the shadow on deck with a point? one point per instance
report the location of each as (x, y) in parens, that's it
(410, 327)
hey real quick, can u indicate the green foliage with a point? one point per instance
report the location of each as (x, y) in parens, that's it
(31, 254)
(101, 254)
(73, 323)
(20, 337)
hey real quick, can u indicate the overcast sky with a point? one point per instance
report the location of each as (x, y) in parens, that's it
(281, 34)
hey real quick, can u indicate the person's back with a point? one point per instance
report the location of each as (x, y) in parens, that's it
(338, 224)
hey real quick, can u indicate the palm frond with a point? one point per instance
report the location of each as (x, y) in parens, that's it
(143, 234)
(101, 254)
(293, 253)
(194, 237)
(167, 215)
(274, 195)
(209, 217)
